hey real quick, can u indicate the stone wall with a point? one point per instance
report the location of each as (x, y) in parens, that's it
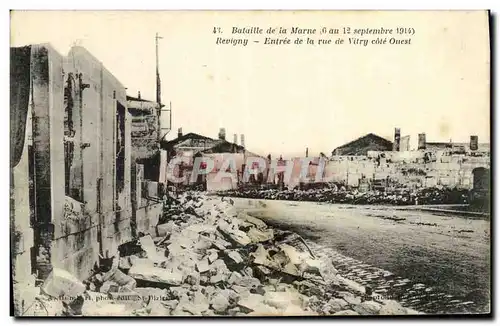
(145, 131)
(77, 155)
(410, 168)
(21, 233)
(414, 169)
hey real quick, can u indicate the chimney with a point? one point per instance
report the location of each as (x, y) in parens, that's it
(235, 139)
(139, 95)
(242, 140)
(179, 132)
(397, 140)
(474, 143)
(222, 134)
(421, 141)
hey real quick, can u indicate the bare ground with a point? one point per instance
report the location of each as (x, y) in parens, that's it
(450, 254)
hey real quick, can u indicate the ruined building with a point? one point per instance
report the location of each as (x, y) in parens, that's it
(76, 191)
(473, 147)
(375, 159)
(363, 145)
(191, 146)
(145, 126)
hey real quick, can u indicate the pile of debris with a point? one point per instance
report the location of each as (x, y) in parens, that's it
(342, 195)
(206, 259)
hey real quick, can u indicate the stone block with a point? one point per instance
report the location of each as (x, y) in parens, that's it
(61, 284)
(367, 308)
(257, 235)
(391, 307)
(346, 313)
(144, 272)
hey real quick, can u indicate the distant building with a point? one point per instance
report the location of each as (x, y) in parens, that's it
(361, 146)
(188, 144)
(194, 145)
(456, 147)
(405, 144)
(473, 146)
(145, 127)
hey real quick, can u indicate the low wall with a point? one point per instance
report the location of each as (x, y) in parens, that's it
(148, 217)
(411, 170)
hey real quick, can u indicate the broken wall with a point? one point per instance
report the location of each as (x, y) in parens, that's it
(20, 145)
(216, 181)
(144, 128)
(78, 161)
(406, 168)
(147, 209)
(104, 143)
(48, 154)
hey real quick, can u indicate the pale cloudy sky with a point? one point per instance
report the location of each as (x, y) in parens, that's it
(287, 98)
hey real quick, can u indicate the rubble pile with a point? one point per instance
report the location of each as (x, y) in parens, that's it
(207, 260)
(425, 196)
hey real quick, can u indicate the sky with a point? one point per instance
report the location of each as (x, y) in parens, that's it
(286, 98)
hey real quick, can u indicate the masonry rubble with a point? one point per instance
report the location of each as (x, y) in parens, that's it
(206, 259)
(349, 195)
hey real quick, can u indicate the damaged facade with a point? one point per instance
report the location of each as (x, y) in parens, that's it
(145, 126)
(72, 146)
(373, 160)
(192, 146)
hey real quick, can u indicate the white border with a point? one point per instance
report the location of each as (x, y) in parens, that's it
(191, 5)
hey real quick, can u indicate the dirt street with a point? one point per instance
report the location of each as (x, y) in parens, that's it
(441, 262)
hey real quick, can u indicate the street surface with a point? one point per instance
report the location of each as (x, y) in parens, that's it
(432, 263)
